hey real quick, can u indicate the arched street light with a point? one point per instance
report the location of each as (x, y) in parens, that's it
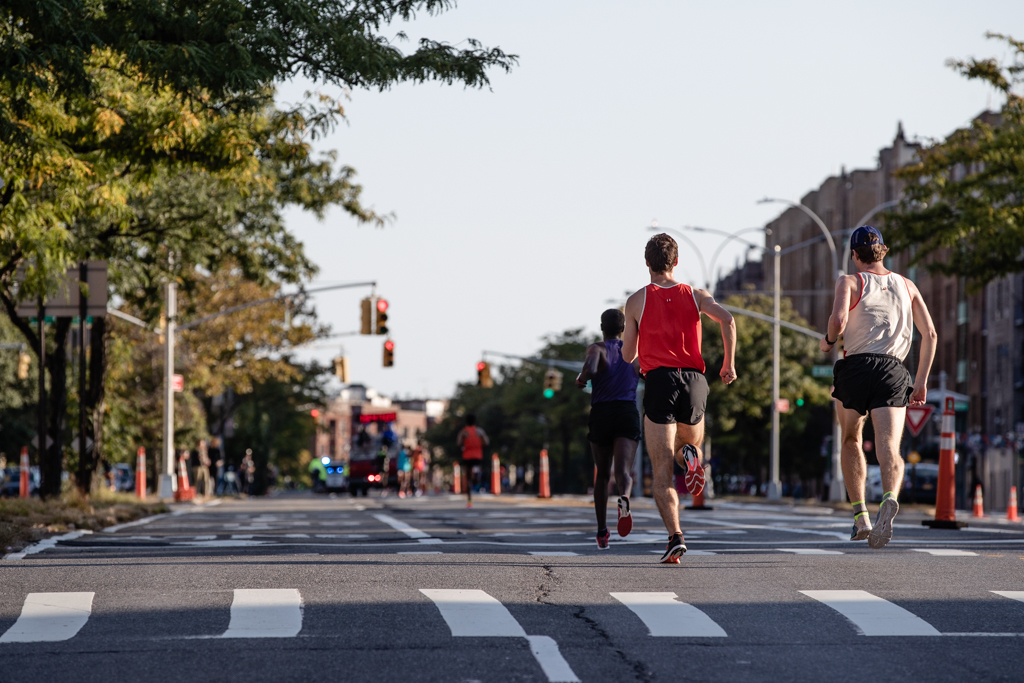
(817, 220)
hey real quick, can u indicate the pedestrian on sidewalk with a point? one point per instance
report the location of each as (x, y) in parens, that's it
(614, 421)
(663, 329)
(875, 310)
(202, 470)
(472, 440)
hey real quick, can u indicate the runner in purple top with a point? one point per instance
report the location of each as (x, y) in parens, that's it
(614, 421)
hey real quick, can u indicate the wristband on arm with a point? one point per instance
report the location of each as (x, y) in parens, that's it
(831, 343)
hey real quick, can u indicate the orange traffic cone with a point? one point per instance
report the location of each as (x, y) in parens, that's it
(979, 502)
(456, 478)
(1011, 507)
(184, 492)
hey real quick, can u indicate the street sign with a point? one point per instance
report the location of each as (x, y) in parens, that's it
(178, 383)
(64, 304)
(917, 416)
(782, 405)
(821, 371)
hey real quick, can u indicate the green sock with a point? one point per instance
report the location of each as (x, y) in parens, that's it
(887, 494)
(859, 508)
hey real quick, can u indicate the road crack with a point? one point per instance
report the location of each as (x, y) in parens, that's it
(640, 670)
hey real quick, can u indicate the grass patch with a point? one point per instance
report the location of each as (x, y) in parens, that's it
(24, 521)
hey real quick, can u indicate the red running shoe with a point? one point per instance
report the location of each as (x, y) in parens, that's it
(625, 519)
(602, 539)
(694, 470)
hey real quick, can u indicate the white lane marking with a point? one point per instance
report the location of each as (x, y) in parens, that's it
(945, 552)
(222, 543)
(474, 613)
(265, 613)
(342, 536)
(296, 535)
(48, 617)
(1013, 595)
(809, 551)
(553, 553)
(692, 552)
(666, 617)
(769, 527)
(241, 537)
(46, 544)
(137, 522)
(398, 525)
(430, 540)
(204, 538)
(873, 616)
(545, 650)
(985, 635)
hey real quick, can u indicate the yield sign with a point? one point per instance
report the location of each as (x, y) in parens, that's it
(917, 416)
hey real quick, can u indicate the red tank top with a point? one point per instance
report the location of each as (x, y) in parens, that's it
(472, 445)
(670, 330)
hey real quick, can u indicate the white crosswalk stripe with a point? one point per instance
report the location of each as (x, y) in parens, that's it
(49, 617)
(265, 613)
(1013, 595)
(475, 613)
(664, 616)
(873, 616)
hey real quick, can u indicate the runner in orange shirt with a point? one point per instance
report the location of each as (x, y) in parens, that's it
(472, 440)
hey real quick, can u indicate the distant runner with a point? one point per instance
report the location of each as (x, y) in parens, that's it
(614, 422)
(472, 440)
(874, 311)
(663, 326)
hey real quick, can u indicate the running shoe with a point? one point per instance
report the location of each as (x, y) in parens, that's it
(674, 550)
(882, 532)
(859, 533)
(602, 539)
(694, 470)
(625, 519)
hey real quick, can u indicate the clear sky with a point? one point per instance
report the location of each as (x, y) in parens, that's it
(523, 210)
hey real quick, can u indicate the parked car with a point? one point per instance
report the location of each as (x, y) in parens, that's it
(921, 483)
(874, 490)
(124, 478)
(11, 487)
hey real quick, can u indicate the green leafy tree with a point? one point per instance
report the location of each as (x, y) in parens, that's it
(963, 209)
(739, 415)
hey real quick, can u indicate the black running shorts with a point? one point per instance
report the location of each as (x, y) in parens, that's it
(871, 380)
(610, 420)
(675, 395)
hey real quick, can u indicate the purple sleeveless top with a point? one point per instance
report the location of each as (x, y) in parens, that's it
(618, 380)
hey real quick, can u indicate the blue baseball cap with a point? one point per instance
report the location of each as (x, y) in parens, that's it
(864, 236)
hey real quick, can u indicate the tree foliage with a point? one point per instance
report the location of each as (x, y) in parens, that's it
(962, 213)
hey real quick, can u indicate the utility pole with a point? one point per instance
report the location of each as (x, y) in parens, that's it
(41, 411)
(167, 486)
(775, 485)
(83, 303)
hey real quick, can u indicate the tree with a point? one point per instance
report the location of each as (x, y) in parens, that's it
(739, 415)
(962, 212)
(221, 55)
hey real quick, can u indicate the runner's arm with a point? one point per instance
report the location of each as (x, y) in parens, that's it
(631, 335)
(840, 312)
(591, 364)
(707, 305)
(923, 322)
(483, 436)
(460, 438)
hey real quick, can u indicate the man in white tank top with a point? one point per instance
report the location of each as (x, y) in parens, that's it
(874, 310)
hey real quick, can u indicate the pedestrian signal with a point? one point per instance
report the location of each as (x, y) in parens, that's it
(552, 382)
(483, 375)
(382, 316)
(366, 316)
(389, 353)
(24, 361)
(314, 413)
(341, 368)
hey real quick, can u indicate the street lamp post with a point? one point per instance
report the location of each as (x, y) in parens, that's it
(837, 488)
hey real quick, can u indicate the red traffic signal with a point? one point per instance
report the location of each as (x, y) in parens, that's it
(314, 413)
(480, 366)
(389, 345)
(382, 305)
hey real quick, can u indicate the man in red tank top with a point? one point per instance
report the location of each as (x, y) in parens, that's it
(472, 440)
(663, 328)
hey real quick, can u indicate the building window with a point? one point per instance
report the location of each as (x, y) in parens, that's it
(961, 371)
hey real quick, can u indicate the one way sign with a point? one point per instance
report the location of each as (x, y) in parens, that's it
(917, 416)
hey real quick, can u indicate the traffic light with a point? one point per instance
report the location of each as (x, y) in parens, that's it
(799, 402)
(389, 353)
(366, 316)
(483, 375)
(24, 361)
(341, 368)
(314, 413)
(382, 316)
(552, 382)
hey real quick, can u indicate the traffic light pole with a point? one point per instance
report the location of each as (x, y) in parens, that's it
(166, 485)
(775, 484)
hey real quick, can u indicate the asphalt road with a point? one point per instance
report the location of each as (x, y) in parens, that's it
(304, 588)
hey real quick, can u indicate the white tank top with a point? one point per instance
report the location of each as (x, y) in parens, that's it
(881, 319)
